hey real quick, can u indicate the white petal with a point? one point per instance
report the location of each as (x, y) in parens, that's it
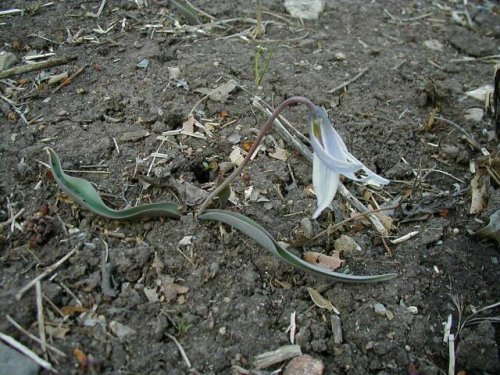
(331, 138)
(334, 154)
(335, 160)
(325, 183)
(370, 178)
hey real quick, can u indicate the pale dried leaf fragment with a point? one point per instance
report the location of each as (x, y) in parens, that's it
(189, 193)
(188, 128)
(169, 288)
(221, 93)
(330, 262)
(474, 114)
(481, 93)
(479, 198)
(321, 301)
(236, 156)
(57, 78)
(280, 154)
(385, 220)
(121, 330)
(188, 125)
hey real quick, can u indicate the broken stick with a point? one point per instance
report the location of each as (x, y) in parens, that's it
(36, 66)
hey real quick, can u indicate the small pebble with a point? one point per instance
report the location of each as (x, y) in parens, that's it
(143, 64)
(121, 330)
(307, 228)
(304, 365)
(89, 246)
(336, 329)
(7, 60)
(174, 72)
(389, 314)
(412, 310)
(339, 56)
(346, 244)
(379, 309)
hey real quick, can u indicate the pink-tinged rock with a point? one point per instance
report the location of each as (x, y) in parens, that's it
(304, 365)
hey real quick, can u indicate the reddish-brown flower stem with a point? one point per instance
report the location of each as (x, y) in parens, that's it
(263, 131)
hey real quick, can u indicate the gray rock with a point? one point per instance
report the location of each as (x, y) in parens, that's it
(13, 362)
(7, 60)
(379, 309)
(305, 9)
(304, 364)
(307, 228)
(346, 244)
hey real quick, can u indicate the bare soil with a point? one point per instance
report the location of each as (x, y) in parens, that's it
(231, 300)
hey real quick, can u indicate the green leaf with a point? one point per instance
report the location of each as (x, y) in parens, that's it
(82, 191)
(264, 238)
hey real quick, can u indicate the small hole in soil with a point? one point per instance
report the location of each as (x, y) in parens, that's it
(201, 173)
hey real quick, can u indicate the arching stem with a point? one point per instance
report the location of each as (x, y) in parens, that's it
(263, 131)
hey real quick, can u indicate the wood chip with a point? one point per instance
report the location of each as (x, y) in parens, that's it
(134, 135)
(276, 356)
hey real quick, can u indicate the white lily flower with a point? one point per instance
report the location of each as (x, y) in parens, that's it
(331, 159)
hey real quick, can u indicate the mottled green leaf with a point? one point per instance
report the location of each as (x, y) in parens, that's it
(82, 191)
(264, 238)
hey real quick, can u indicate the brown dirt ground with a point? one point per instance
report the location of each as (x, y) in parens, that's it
(240, 298)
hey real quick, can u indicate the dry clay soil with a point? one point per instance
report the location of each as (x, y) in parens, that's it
(223, 297)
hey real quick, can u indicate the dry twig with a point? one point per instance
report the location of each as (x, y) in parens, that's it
(181, 350)
(348, 82)
(26, 351)
(467, 135)
(36, 66)
(14, 107)
(45, 273)
(12, 219)
(40, 318)
(67, 81)
(33, 337)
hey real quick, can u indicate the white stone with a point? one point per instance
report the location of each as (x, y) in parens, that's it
(305, 9)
